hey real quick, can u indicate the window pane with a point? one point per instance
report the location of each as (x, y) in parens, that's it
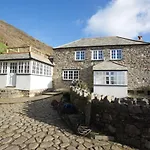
(77, 55)
(65, 74)
(116, 54)
(82, 55)
(94, 54)
(4, 67)
(13, 67)
(26, 67)
(20, 67)
(70, 74)
(76, 75)
(100, 54)
(119, 54)
(34, 67)
(37, 68)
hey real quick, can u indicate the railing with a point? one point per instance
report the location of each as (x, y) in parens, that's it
(24, 49)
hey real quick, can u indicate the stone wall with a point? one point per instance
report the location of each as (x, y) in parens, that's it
(127, 119)
(136, 58)
(16, 93)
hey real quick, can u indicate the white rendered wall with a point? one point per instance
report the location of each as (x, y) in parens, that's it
(23, 82)
(112, 90)
(3, 81)
(116, 91)
(40, 82)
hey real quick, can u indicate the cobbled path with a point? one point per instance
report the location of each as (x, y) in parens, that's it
(36, 126)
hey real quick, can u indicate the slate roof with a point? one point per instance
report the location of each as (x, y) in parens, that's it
(101, 41)
(108, 65)
(24, 56)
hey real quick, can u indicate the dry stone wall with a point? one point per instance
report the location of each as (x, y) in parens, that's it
(127, 119)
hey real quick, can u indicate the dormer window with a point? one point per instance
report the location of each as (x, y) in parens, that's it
(79, 55)
(97, 55)
(116, 54)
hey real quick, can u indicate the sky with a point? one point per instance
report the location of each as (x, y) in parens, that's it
(57, 22)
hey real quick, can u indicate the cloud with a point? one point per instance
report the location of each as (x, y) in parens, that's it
(127, 18)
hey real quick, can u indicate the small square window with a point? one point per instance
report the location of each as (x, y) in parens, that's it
(79, 55)
(97, 55)
(116, 54)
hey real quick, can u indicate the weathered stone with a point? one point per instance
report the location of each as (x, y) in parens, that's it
(64, 145)
(2, 147)
(71, 148)
(13, 148)
(132, 130)
(46, 144)
(48, 138)
(31, 140)
(79, 140)
(134, 109)
(33, 145)
(111, 129)
(104, 138)
(6, 140)
(116, 147)
(20, 140)
(81, 147)
(87, 145)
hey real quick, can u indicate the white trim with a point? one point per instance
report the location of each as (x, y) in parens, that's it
(67, 70)
(79, 56)
(92, 55)
(115, 54)
(118, 78)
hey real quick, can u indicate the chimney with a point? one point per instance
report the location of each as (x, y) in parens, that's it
(51, 59)
(140, 38)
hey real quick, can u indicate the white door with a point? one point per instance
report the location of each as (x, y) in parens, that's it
(12, 74)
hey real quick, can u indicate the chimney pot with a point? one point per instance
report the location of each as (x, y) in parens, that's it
(140, 38)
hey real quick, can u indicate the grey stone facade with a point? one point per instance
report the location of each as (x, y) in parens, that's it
(135, 57)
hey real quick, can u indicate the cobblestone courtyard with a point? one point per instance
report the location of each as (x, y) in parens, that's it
(35, 125)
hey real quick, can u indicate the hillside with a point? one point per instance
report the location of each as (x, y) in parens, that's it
(11, 36)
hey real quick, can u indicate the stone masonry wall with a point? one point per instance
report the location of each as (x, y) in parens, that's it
(136, 58)
(126, 119)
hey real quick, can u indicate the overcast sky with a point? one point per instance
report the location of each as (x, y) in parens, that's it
(57, 22)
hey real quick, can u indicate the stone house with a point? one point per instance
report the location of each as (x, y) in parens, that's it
(81, 59)
(24, 71)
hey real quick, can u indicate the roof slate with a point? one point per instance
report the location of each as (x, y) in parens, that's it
(108, 65)
(102, 41)
(19, 56)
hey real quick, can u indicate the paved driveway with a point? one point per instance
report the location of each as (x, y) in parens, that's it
(35, 125)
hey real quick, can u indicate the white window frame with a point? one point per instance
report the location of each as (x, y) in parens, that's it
(73, 74)
(80, 55)
(97, 55)
(43, 69)
(23, 67)
(4, 67)
(110, 78)
(115, 51)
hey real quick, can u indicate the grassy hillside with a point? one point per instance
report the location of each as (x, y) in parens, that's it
(2, 48)
(12, 36)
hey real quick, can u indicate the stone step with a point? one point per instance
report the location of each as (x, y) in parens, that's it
(10, 93)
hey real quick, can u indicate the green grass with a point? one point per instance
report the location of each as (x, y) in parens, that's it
(3, 48)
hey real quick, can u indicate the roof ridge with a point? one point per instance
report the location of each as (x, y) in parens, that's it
(131, 39)
(68, 43)
(118, 64)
